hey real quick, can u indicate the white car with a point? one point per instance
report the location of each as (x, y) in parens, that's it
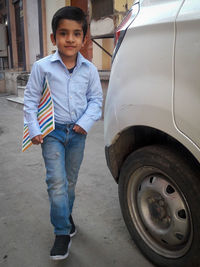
(152, 128)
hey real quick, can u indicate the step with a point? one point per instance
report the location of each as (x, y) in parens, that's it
(20, 90)
(16, 101)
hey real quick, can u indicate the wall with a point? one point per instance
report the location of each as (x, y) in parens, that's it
(108, 45)
(2, 82)
(11, 82)
(97, 54)
(33, 30)
(51, 7)
(105, 26)
(120, 8)
(122, 5)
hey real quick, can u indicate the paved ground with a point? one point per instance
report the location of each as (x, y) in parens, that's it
(26, 235)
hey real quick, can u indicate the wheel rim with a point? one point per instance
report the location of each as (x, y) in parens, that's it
(160, 212)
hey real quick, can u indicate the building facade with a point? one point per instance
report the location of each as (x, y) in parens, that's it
(25, 28)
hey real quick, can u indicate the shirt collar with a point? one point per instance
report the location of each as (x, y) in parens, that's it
(80, 58)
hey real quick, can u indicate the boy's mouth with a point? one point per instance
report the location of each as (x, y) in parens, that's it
(69, 46)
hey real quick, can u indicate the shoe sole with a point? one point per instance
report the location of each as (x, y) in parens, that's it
(74, 233)
(61, 257)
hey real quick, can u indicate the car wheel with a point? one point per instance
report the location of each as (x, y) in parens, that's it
(159, 192)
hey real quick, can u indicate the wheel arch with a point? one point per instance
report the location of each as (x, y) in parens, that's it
(135, 137)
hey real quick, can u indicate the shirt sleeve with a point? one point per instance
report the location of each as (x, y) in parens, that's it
(94, 96)
(32, 96)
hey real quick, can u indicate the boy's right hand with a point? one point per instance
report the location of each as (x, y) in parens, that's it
(38, 139)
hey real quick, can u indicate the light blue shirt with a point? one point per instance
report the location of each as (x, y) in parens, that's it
(77, 97)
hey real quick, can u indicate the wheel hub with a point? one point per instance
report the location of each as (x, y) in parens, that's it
(160, 206)
(158, 210)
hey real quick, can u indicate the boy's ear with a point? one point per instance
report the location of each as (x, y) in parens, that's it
(52, 39)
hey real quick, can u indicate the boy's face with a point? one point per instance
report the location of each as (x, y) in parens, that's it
(69, 39)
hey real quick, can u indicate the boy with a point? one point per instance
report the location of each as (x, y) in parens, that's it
(77, 97)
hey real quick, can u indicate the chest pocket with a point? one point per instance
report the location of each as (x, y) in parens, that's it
(80, 88)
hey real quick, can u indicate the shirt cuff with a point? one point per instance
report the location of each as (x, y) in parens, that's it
(34, 129)
(86, 123)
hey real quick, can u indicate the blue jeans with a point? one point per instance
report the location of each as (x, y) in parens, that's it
(62, 151)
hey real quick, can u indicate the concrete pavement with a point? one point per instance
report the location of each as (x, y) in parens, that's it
(26, 234)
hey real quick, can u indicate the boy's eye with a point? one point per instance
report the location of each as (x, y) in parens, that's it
(63, 33)
(77, 33)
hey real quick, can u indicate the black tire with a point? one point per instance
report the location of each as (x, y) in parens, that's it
(159, 192)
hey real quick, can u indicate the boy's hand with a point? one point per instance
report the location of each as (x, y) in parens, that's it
(36, 140)
(79, 129)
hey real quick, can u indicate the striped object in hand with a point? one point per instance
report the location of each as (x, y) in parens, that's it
(45, 116)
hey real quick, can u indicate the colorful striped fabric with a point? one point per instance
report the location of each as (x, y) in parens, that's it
(45, 116)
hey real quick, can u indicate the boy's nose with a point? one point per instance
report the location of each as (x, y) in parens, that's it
(70, 38)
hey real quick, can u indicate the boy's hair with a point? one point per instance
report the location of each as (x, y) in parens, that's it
(71, 13)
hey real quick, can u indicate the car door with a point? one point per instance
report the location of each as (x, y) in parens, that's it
(187, 71)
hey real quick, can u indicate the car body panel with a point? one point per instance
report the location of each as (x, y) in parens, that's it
(152, 128)
(187, 78)
(140, 90)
